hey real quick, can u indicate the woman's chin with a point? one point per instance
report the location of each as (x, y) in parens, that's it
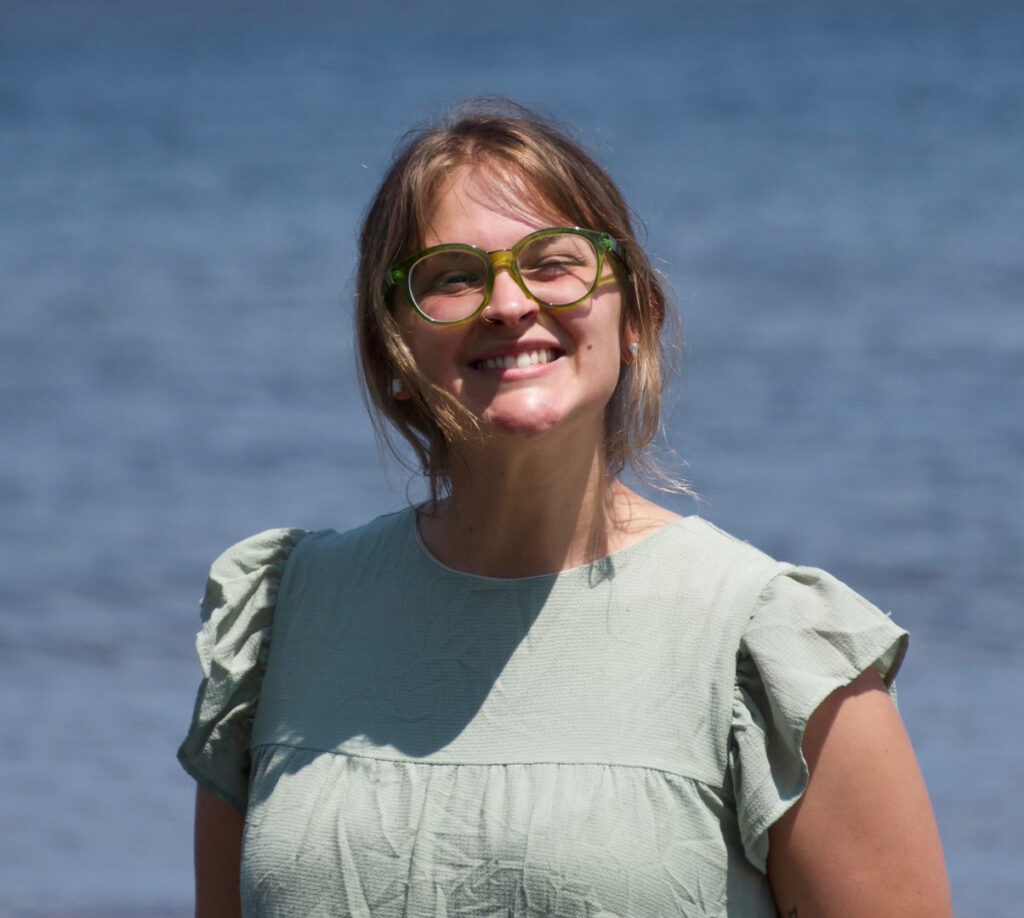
(514, 424)
(538, 418)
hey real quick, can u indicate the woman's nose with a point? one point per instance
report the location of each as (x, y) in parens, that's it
(508, 305)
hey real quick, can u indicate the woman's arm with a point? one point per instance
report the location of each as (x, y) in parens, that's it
(218, 857)
(862, 840)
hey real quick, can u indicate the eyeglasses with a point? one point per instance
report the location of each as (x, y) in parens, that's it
(558, 268)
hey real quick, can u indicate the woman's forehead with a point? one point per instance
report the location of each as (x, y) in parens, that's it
(490, 186)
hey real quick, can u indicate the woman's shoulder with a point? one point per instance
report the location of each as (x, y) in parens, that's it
(268, 549)
(237, 616)
(702, 553)
(687, 545)
(387, 533)
(754, 591)
(782, 584)
(723, 545)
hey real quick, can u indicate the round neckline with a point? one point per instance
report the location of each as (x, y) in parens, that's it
(434, 561)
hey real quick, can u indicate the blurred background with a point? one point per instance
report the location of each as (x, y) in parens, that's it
(835, 192)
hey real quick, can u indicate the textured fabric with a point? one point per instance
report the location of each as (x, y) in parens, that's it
(611, 740)
(237, 612)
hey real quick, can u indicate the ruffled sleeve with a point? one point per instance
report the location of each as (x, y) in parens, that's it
(237, 613)
(809, 635)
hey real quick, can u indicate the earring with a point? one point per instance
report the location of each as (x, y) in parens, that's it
(398, 390)
(633, 349)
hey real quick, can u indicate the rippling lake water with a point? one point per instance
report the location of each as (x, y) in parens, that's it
(836, 194)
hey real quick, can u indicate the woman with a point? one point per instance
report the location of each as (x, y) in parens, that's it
(539, 693)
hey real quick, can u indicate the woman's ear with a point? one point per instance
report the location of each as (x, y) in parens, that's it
(630, 343)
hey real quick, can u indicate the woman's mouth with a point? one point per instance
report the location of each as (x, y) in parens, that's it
(517, 361)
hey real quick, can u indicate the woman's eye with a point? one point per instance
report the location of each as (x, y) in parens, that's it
(449, 283)
(447, 274)
(454, 280)
(554, 264)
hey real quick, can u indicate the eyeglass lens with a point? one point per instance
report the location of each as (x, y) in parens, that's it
(556, 270)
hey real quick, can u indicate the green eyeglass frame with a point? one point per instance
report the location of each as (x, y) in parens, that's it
(400, 273)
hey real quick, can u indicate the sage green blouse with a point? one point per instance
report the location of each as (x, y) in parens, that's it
(612, 740)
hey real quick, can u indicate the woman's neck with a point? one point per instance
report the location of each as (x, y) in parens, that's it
(522, 512)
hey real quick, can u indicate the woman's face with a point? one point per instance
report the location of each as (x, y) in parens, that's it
(580, 349)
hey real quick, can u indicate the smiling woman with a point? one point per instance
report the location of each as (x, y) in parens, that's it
(525, 369)
(538, 693)
(499, 166)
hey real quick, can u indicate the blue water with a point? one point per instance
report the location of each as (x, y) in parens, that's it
(836, 194)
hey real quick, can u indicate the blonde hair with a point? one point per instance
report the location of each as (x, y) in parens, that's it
(523, 150)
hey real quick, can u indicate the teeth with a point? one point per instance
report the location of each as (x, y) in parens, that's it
(520, 361)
